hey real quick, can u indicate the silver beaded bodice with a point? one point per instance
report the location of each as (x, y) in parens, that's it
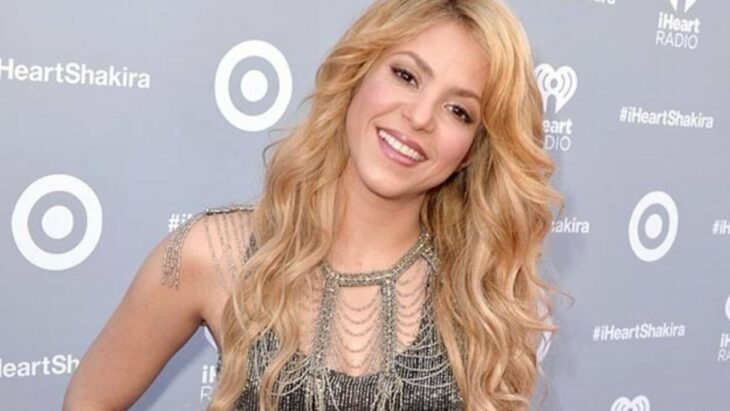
(371, 343)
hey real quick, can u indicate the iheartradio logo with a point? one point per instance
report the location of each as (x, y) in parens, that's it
(687, 4)
(560, 83)
(638, 403)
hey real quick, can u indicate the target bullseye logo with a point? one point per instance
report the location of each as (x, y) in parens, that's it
(253, 85)
(649, 229)
(727, 308)
(57, 222)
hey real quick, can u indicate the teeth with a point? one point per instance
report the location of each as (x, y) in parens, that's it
(400, 147)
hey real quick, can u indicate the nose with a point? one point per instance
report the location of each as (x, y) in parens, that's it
(420, 113)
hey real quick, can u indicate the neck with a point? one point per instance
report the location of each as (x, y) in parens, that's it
(373, 232)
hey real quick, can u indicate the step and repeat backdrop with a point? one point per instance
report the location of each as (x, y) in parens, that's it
(119, 121)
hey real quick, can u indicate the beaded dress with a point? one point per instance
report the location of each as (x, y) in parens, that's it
(380, 351)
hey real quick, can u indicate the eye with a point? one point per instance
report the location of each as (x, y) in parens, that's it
(462, 114)
(404, 75)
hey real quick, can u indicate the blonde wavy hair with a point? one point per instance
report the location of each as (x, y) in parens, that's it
(488, 221)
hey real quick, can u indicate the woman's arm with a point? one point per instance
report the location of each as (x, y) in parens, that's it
(150, 324)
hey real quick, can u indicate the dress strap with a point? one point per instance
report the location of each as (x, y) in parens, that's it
(230, 242)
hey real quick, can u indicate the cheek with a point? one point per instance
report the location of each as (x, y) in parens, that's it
(454, 149)
(371, 97)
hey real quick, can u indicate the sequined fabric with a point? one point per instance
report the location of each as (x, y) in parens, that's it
(398, 370)
(435, 392)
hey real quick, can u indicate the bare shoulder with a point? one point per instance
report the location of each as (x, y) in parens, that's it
(181, 283)
(213, 243)
(205, 256)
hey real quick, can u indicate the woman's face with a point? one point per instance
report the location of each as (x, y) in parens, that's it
(416, 112)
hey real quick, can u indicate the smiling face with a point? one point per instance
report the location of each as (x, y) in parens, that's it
(415, 114)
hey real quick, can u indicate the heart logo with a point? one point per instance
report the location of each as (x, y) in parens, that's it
(209, 337)
(639, 403)
(546, 336)
(545, 341)
(561, 84)
(687, 4)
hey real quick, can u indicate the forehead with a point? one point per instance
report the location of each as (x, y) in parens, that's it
(452, 52)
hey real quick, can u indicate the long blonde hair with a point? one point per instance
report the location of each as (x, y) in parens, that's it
(488, 221)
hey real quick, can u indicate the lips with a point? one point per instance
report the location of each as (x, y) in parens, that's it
(405, 141)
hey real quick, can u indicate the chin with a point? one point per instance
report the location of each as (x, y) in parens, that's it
(384, 189)
(388, 188)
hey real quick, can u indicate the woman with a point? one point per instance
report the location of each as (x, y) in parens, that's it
(391, 261)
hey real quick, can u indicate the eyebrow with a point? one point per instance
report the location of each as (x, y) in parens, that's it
(421, 63)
